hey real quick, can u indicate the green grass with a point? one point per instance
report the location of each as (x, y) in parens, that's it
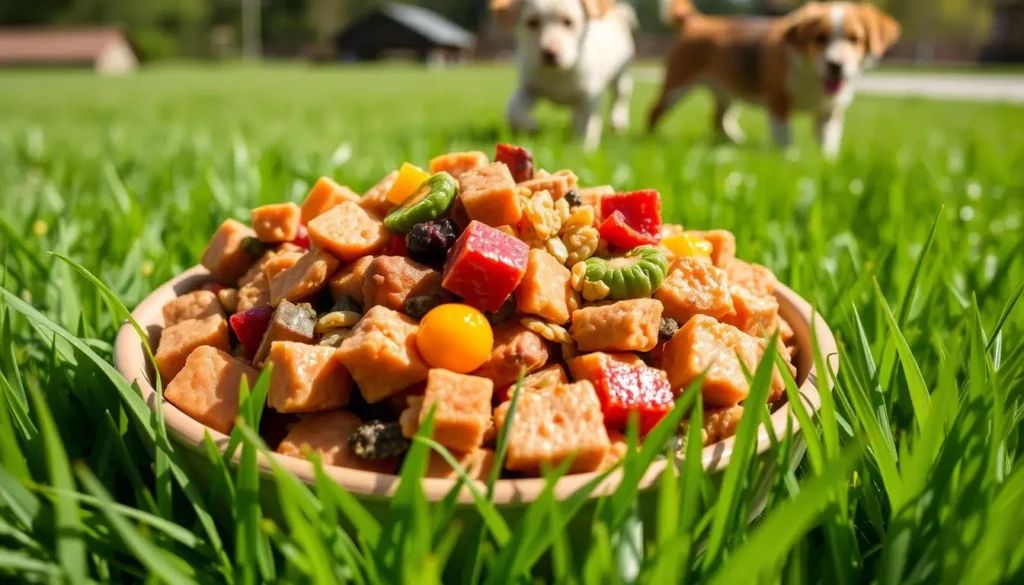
(909, 246)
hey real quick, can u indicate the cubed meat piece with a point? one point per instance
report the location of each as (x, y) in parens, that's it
(462, 408)
(349, 279)
(485, 266)
(515, 348)
(177, 342)
(592, 195)
(623, 326)
(616, 451)
(545, 290)
(224, 256)
(375, 200)
(557, 185)
(477, 464)
(628, 390)
(381, 354)
(694, 287)
(206, 388)
(391, 280)
(348, 231)
(720, 423)
(589, 365)
(754, 277)
(194, 305)
(489, 195)
(786, 334)
(705, 344)
(518, 160)
(723, 245)
(548, 428)
(255, 293)
(290, 322)
(755, 314)
(280, 263)
(308, 276)
(306, 378)
(324, 195)
(278, 222)
(327, 433)
(409, 419)
(257, 269)
(540, 381)
(456, 163)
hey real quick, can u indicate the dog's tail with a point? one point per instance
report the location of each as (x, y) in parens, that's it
(675, 12)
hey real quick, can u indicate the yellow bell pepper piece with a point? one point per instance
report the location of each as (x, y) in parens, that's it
(687, 245)
(410, 177)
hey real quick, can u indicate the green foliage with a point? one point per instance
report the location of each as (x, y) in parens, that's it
(908, 246)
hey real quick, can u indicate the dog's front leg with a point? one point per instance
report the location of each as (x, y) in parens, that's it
(622, 92)
(830, 133)
(586, 121)
(519, 107)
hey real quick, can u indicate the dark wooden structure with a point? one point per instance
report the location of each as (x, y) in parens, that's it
(395, 30)
(1006, 45)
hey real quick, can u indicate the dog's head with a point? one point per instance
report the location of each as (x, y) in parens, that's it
(840, 38)
(550, 32)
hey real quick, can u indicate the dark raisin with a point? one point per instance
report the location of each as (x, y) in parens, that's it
(667, 328)
(347, 303)
(253, 246)
(429, 242)
(377, 439)
(418, 306)
(572, 197)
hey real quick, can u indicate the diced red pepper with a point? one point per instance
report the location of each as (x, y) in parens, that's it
(625, 388)
(302, 237)
(485, 266)
(621, 235)
(214, 287)
(396, 247)
(250, 326)
(641, 210)
(518, 160)
(657, 354)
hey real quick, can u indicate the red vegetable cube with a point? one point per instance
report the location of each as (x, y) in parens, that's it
(396, 247)
(249, 327)
(518, 160)
(617, 231)
(485, 266)
(641, 210)
(302, 237)
(625, 388)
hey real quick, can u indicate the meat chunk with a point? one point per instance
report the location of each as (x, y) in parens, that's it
(290, 323)
(308, 276)
(720, 423)
(589, 365)
(550, 427)
(623, 326)
(515, 348)
(592, 195)
(381, 354)
(616, 451)
(224, 256)
(540, 381)
(278, 222)
(255, 293)
(755, 314)
(558, 184)
(694, 287)
(477, 464)
(306, 378)
(753, 277)
(705, 344)
(349, 279)
(348, 231)
(489, 195)
(375, 200)
(206, 388)
(786, 334)
(194, 305)
(324, 195)
(327, 433)
(723, 245)
(456, 163)
(390, 280)
(545, 290)
(462, 409)
(177, 342)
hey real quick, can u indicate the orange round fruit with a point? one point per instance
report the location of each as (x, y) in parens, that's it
(455, 337)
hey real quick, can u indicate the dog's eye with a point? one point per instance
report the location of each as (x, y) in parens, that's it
(821, 39)
(566, 22)
(533, 23)
(853, 38)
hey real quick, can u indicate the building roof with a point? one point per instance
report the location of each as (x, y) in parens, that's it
(55, 45)
(428, 23)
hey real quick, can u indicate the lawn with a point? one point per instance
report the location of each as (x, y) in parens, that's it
(909, 245)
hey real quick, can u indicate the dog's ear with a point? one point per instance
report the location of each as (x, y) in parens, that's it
(597, 8)
(799, 22)
(882, 30)
(506, 11)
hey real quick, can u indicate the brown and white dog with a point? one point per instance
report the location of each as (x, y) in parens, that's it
(807, 61)
(571, 53)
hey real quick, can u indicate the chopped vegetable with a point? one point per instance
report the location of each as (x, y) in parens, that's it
(625, 389)
(456, 337)
(635, 275)
(485, 266)
(429, 202)
(302, 237)
(641, 211)
(429, 242)
(290, 323)
(723, 245)
(377, 439)
(617, 231)
(518, 160)
(409, 179)
(250, 326)
(687, 244)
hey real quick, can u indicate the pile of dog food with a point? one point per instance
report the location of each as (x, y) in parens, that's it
(436, 291)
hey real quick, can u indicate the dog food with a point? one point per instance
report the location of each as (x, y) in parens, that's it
(438, 290)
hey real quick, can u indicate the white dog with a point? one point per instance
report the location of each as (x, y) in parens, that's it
(571, 52)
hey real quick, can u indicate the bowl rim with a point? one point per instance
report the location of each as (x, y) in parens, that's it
(130, 360)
